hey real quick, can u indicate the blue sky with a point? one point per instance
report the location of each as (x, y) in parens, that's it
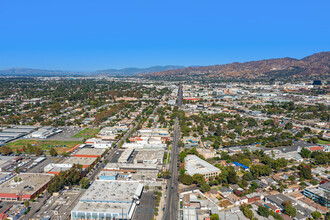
(88, 35)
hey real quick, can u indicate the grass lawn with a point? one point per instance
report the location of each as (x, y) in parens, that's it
(45, 145)
(86, 133)
(323, 142)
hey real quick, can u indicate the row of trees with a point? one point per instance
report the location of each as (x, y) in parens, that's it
(319, 157)
(29, 149)
(68, 178)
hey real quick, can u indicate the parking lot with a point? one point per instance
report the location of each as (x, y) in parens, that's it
(27, 164)
(146, 208)
(67, 133)
(39, 168)
(116, 156)
(5, 205)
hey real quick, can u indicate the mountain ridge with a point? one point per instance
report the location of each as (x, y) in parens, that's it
(315, 64)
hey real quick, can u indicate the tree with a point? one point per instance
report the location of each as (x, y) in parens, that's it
(305, 171)
(288, 126)
(313, 181)
(84, 183)
(38, 151)
(232, 177)
(247, 176)
(263, 211)
(205, 187)
(316, 215)
(53, 152)
(186, 179)
(327, 216)
(305, 153)
(66, 154)
(166, 174)
(260, 170)
(292, 178)
(198, 179)
(26, 203)
(247, 211)
(289, 209)
(214, 216)
(6, 150)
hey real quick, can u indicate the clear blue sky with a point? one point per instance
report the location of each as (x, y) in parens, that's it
(98, 34)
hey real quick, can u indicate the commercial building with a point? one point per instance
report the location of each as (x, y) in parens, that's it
(319, 194)
(101, 201)
(125, 155)
(150, 156)
(278, 200)
(195, 165)
(143, 145)
(13, 212)
(29, 187)
(90, 152)
(108, 175)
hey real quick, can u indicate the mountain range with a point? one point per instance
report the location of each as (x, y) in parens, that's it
(317, 65)
(135, 71)
(114, 72)
(36, 72)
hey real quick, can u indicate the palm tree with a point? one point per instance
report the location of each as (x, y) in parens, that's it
(18, 180)
(26, 203)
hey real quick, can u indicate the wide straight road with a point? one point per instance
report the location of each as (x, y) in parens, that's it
(172, 199)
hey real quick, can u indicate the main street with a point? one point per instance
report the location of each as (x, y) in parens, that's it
(172, 199)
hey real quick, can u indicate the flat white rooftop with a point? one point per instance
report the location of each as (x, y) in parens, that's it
(194, 164)
(109, 191)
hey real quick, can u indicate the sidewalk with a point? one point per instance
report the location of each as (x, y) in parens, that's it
(161, 203)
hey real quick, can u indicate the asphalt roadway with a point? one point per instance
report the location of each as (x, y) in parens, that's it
(172, 198)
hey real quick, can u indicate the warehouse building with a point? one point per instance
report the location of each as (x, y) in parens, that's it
(101, 201)
(195, 165)
(6, 161)
(90, 152)
(56, 168)
(83, 161)
(131, 166)
(150, 156)
(13, 133)
(29, 187)
(44, 132)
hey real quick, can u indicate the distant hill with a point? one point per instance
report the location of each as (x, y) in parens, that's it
(315, 65)
(36, 72)
(135, 71)
(113, 72)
